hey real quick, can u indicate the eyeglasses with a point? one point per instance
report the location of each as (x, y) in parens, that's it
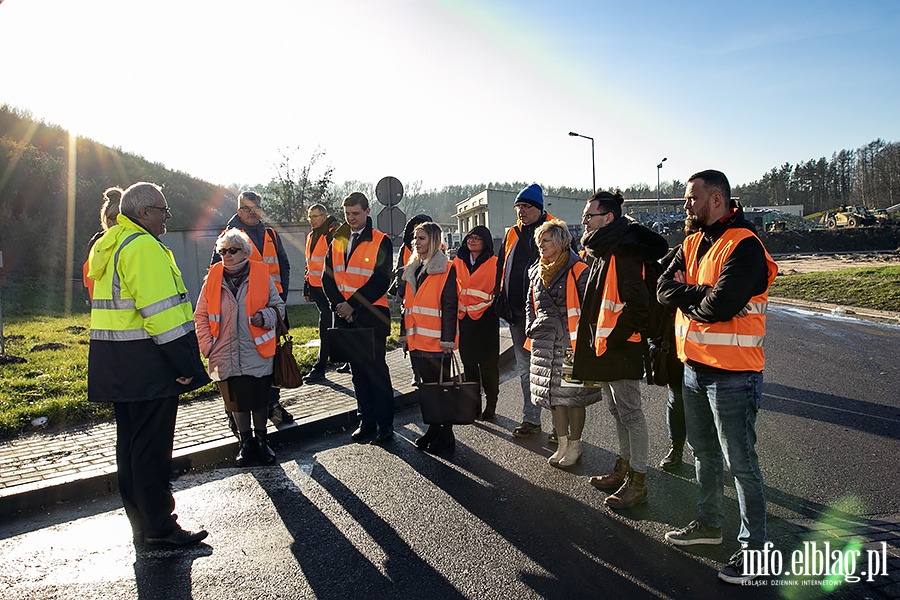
(165, 209)
(474, 238)
(249, 208)
(311, 217)
(589, 216)
(231, 251)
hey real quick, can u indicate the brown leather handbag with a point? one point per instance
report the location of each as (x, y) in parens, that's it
(285, 372)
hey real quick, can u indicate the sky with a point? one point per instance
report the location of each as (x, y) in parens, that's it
(452, 92)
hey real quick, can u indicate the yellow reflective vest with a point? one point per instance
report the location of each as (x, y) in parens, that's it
(138, 289)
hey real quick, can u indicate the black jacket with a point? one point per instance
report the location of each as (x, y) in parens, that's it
(257, 235)
(632, 244)
(515, 288)
(362, 301)
(744, 275)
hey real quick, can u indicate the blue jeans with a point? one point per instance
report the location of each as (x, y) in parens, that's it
(531, 412)
(720, 413)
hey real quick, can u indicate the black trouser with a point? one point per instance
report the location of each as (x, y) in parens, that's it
(479, 349)
(374, 393)
(326, 321)
(145, 433)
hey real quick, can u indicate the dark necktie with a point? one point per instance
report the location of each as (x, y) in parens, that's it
(354, 239)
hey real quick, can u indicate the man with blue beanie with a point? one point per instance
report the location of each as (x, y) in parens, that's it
(518, 253)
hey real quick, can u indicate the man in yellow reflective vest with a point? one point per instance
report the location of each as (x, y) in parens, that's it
(143, 354)
(357, 276)
(267, 248)
(322, 226)
(719, 282)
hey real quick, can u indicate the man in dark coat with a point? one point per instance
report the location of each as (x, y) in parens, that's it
(610, 349)
(319, 238)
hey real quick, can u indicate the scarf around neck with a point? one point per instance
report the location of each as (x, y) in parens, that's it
(548, 270)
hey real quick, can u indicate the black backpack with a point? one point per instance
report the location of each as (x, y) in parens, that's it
(657, 331)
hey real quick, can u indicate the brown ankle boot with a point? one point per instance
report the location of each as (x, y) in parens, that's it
(614, 480)
(632, 493)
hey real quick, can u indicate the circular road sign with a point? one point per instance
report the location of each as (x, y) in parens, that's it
(389, 191)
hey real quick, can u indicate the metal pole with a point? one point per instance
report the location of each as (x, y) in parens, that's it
(658, 206)
(593, 168)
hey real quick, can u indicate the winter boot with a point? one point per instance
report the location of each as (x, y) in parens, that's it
(672, 460)
(430, 435)
(573, 454)
(633, 492)
(445, 440)
(247, 449)
(614, 480)
(560, 451)
(490, 409)
(266, 454)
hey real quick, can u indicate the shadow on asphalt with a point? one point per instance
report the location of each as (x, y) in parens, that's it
(166, 575)
(867, 417)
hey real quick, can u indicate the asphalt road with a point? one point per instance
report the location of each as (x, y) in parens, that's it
(335, 519)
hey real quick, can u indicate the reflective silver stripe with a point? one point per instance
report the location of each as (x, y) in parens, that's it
(264, 337)
(173, 334)
(603, 332)
(573, 312)
(162, 305)
(275, 278)
(477, 293)
(726, 339)
(613, 306)
(430, 312)
(346, 288)
(758, 308)
(479, 306)
(270, 260)
(214, 318)
(116, 285)
(126, 304)
(434, 333)
(338, 268)
(573, 335)
(359, 271)
(119, 335)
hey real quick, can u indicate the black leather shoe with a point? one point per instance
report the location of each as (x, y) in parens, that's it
(430, 435)
(363, 432)
(344, 368)
(314, 376)
(177, 539)
(383, 438)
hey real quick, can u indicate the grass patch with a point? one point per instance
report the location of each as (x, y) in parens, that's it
(53, 381)
(864, 287)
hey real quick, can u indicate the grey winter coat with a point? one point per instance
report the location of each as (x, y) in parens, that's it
(233, 353)
(546, 323)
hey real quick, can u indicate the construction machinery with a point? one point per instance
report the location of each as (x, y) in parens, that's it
(848, 216)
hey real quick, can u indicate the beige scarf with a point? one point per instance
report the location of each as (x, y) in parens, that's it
(548, 270)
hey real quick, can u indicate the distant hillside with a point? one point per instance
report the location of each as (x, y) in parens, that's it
(33, 204)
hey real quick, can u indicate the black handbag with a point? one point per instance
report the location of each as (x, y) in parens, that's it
(351, 344)
(453, 402)
(285, 371)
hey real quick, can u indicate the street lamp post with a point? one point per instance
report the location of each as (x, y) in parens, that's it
(658, 209)
(593, 162)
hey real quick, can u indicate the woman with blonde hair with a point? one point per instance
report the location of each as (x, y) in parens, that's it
(237, 311)
(557, 285)
(429, 323)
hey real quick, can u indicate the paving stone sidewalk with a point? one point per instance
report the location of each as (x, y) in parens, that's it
(78, 462)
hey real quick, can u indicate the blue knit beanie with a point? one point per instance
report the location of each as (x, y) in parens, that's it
(532, 194)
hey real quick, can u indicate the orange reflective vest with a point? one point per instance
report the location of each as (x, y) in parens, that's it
(476, 290)
(256, 300)
(315, 259)
(422, 313)
(269, 256)
(405, 253)
(509, 245)
(733, 345)
(87, 281)
(573, 304)
(349, 277)
(611, 307)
